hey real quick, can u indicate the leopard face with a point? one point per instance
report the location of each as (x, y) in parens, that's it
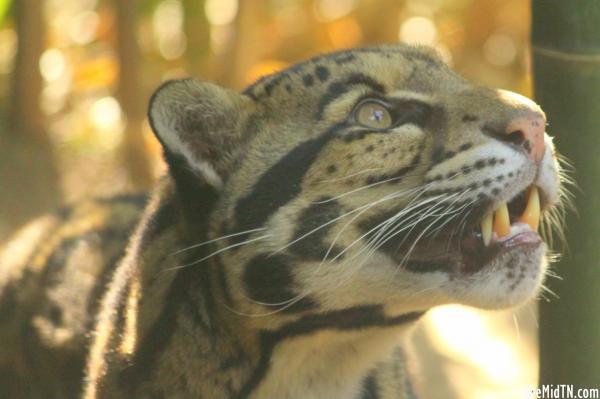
(374, 177)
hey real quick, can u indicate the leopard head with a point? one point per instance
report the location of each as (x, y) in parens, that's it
(370, 177)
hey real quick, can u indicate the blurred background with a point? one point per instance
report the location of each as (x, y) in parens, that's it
(76, 75)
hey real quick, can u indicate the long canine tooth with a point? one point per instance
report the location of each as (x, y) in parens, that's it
(502, 221)
(531, 214)
(486, 228)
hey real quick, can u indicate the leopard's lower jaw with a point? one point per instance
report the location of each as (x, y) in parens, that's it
(511, 278)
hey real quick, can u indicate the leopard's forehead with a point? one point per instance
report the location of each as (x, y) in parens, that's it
(387, 67)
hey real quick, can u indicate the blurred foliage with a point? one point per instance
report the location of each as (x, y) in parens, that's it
(91, 124)
(4, 7)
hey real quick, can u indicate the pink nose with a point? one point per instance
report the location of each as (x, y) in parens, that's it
(529, 132)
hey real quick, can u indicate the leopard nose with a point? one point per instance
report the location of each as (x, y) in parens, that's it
(528, 131)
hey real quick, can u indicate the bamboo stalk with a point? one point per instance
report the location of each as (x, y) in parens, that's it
(566, 54)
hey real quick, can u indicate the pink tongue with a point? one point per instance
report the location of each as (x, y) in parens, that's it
(515, 229)
(525, 237)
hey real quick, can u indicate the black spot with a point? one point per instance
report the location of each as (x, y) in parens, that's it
(288, 87)
(322, 73)
(451, 175)
(274, 81)
(466, 169)
(370, 148)
(268, 279)
(343, 58)
(495, 191)
(437, 155)
(499, 177)
(527, 146)
(469, 118)
(331, 169)
(492, 161)
(427, 266)
(308, 80)
(510, 174)
(487, 182)
(480, 164)
(449, 154)
(312, 229)
(465, 147)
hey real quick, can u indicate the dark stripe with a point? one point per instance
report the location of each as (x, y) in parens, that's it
(427, 266)
(370, 389)
(340, 87)
(145, 361)
(355, 318)
(165, 217)
(279, 184)
(312, 228)
(188, 280)
(268, 279)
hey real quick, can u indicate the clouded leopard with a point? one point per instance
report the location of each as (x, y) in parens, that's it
(303, 227)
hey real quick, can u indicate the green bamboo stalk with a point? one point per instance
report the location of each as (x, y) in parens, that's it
(566, 55)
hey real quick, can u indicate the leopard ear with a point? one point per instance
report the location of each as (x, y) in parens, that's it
(199, 125)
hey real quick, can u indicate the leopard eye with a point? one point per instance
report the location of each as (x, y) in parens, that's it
(373, 114)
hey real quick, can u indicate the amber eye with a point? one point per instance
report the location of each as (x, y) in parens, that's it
(373, 114)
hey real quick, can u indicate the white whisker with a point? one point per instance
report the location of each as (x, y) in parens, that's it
(217, 239)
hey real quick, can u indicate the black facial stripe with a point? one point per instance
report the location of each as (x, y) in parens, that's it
(355, 318)
(313, 221)
(340, 87)
(279, 184)
(427, 266)
(268, 279)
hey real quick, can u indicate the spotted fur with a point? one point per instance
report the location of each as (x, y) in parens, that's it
(288, 250)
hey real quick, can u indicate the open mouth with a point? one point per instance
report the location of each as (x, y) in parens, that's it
(507, 227)
(510, 226)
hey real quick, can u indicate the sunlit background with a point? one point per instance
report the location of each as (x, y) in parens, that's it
(100, 60)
